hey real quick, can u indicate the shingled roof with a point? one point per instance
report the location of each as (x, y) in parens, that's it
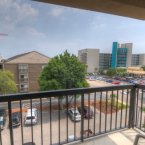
(32, 57)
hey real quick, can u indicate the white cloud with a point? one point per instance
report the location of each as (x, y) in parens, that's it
(14, 12)
(56, 11)
(33, 32)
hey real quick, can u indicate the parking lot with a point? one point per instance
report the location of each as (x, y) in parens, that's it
(50, 129)
(56, 126)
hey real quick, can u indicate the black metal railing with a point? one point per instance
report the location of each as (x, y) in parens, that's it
(139, 117)
(108, 109)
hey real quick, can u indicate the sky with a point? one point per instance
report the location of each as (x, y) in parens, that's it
(51, 29)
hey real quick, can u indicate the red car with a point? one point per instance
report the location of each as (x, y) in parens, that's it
(116, 82)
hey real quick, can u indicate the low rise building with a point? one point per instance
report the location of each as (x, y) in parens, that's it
(26, 69)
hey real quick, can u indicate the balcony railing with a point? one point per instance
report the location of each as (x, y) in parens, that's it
(108, 109)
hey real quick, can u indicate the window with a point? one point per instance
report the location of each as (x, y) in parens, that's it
(23, 68)
(23, 87)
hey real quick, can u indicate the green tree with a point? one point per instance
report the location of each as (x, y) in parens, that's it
(113, 98)
(111, 72)
(64, 71)
(116, 71)
(7, 84)
(143, 67)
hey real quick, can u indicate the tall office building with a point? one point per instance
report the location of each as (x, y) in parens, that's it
(90, 57)
(121, 55)
(104, 61)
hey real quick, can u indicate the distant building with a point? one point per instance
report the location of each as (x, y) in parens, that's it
(121, 55)
(138, 60)
(26, 69)
(142, 59)
(135, 60)
(89, 57)
(104, 61)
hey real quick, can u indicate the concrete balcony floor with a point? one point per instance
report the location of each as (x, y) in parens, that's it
(124, 137)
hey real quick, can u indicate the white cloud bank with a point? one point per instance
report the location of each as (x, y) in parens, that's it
(14, 12)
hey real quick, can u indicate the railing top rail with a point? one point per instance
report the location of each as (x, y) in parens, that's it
(140, 87)
(57, 93)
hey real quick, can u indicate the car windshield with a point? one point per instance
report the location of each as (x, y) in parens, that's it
(1, 122)
(1, 112)
(75, 114)
(15, 120)
(30, 117)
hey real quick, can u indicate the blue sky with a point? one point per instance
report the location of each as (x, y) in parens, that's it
(51, 29)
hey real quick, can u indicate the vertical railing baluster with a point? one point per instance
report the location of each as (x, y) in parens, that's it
(112, 99)
(126, 113)
(75, 121)
(137, 113)
(31, 121)
(141, 110)
(0, 137)
(116, 110)
(100, 124)
(106, 106)
(94, 113)
(10, 122)
(89, 113)
(50, 121)
(82, 117)
(59, 119)
(122, 95)
(67, 119)
(41, 121)
(22, 136)
(132, 107)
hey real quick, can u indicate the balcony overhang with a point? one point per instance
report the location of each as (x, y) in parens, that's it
(128, 8)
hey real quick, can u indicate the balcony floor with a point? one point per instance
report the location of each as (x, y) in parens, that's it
(125, 137)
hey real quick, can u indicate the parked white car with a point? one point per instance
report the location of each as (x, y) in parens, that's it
(31, 117)
(74, 114)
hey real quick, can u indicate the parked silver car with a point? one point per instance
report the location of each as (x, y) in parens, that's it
(74, 114)
(31, 117)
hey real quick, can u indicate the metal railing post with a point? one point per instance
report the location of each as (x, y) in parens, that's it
(10, 122)
(82, 118)
(132, 107)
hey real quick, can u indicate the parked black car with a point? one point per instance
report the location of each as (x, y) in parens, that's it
(2, 118)
(87, 112)
(15, 119)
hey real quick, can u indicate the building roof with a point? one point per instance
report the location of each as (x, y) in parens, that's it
(32, 57)
(135, 70)
(127, 8)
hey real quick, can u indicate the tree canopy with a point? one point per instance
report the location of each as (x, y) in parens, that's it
(116, 71)
(7, 84)
(64, 71)
(143, 67)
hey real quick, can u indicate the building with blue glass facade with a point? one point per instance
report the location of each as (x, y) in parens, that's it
(121, 55)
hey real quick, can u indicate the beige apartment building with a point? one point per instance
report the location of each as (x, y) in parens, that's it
(26, 69)
(90, 57)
